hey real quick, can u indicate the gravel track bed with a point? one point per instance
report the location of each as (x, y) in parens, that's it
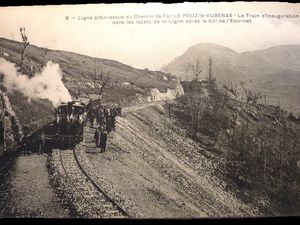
(77, 191)
(128, 204)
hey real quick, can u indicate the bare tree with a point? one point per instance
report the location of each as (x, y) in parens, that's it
(212, 85)
(194, 98)
(25, 44)
(210, 69)
(265, 99)
(252, 97)
(186, 67)
(102, 83)
(196, 70)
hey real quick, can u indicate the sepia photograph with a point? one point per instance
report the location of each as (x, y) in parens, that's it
(150, 111)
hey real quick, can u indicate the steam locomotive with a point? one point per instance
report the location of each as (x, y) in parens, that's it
(67, 128)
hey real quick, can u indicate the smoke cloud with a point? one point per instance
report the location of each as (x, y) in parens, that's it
(45, 85)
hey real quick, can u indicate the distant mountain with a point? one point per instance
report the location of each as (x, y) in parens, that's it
(282, 56)
(274, 71)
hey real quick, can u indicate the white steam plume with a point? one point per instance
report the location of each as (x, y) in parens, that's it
(45, 85)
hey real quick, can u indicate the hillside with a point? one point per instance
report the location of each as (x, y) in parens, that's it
(78, 67)
(164, 173)
(79, 71)
(161, 171)
(207, 153)
(128, 85)
(274, 71)
(256, 145)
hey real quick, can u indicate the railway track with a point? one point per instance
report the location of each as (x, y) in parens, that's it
(96, 202)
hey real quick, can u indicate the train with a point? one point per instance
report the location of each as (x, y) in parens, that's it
(67, 127)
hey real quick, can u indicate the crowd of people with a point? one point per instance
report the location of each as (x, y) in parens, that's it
(105, 118)
(32, 142)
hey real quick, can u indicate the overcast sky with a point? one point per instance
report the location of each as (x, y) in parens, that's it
(147, 46)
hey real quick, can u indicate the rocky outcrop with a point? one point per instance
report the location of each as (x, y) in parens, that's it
(156, 95)
(11, 128)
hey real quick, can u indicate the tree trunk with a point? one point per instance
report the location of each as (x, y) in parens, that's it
(22, 57)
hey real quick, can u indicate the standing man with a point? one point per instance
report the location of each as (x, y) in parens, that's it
(103, 138)
(97, 137)
(41, 142)
(101, 116)
(119, 109)
(92, 118)
(113, 121)
(109, 124)
(25, 143)
(97, 115)
(106, 113)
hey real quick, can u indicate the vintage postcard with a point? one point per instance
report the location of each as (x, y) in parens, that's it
(188, 110)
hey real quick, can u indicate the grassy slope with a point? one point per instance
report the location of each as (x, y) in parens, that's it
(80, 68)
(77, 67)
(34, 114)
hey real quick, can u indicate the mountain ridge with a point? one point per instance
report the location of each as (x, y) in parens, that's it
(80, 66)
(253, 68)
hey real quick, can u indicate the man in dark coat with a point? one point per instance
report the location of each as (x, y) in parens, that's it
(91, 117)
(41, 142)
(97, 137)
(103, 138)
(119, 109)
(113, 121)
(115, 111)
(109, 124)
(106, 113)
(25, 143)
(101, 115)
(97, 115)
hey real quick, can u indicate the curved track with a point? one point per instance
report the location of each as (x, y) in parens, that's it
(96, 203)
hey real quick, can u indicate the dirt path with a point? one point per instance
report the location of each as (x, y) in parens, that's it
(139, 107)
(30, 192)
(150, 161)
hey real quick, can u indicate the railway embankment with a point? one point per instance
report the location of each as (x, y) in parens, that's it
(150, 160)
